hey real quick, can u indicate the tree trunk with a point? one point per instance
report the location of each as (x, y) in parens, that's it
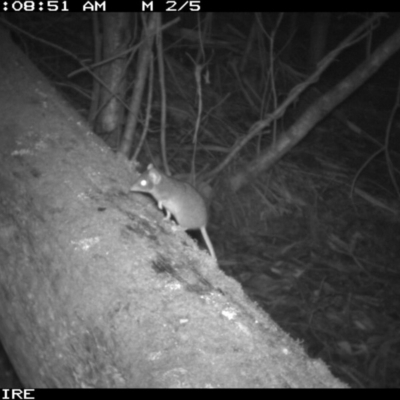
(116, 36)
(97, 291)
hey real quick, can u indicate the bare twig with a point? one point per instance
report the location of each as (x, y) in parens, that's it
(148, 110)
(387, 137)
(161, 73)
(197, 75)
(385, 148)
(149, 31)
(259, 126)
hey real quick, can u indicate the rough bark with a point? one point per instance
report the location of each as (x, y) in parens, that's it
(97, 291)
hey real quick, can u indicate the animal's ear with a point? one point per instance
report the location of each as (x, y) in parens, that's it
(155, 176)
